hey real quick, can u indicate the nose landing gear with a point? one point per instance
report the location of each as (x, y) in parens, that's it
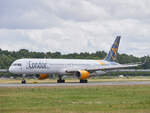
(23, 79)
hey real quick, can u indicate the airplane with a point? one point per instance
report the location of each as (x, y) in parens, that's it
(82, 69)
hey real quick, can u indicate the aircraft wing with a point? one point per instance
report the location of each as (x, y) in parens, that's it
(104, 68)
(113, 67)
(129, 70)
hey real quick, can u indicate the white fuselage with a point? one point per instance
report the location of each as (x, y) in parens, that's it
(55, 66)
(67, 66)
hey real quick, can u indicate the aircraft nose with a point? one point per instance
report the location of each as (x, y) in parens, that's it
(10, 69)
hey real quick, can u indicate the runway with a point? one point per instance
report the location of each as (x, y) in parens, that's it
(78, 84)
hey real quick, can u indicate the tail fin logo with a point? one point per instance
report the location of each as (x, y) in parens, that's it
(114, 49)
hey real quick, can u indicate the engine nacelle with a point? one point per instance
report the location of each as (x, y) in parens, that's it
(43, 76)
(82, 74)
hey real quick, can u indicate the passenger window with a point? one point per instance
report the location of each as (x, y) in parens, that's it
(17, 64)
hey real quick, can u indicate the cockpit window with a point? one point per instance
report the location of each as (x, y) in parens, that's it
(17, 64)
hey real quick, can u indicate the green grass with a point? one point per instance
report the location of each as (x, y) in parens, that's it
(97, 79)
(94, 99)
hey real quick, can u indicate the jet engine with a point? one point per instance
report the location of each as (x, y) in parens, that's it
(43, 76)
(82, 74)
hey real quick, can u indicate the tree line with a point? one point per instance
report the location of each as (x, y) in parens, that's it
(7, 57)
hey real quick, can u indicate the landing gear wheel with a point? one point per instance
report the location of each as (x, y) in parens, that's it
(63, 81)
(83, 81)
(60, 81)
(23, 81)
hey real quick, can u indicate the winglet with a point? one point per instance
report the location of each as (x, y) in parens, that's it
(111, 56)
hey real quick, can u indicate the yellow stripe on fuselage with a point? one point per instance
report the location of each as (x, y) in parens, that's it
(100, 62)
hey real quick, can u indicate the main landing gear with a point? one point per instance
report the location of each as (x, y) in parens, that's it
(60, 80)
(23, 79)
(83, 81)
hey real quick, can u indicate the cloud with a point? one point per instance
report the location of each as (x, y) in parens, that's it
(26, 14)
(75, 26)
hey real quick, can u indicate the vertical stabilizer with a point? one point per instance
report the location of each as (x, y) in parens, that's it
(111, 56)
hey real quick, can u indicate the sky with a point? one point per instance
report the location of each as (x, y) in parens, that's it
(70, 26)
